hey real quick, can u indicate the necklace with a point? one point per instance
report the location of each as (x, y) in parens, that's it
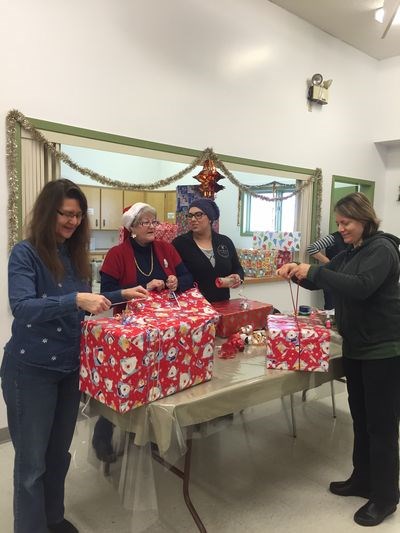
(151, 264)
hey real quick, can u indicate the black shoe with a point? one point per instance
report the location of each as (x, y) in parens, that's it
(350, 487)
(372, 514)
(104, 451)
(62, 527)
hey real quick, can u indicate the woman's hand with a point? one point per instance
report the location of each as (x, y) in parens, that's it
(92, 303)
(287, 271)
(301, 271)
(236, 280)
(155, 285)
(172, 283)
(134, 292)
(293, 270)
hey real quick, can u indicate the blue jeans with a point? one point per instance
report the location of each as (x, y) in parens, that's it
(42, 407)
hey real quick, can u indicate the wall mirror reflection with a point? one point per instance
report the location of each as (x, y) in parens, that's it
(136, 161)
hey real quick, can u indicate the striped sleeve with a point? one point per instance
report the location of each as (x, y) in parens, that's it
(320, 244)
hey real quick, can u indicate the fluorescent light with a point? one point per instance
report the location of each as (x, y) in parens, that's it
(379, 15)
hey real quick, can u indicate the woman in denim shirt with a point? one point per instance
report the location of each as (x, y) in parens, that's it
(49, 292)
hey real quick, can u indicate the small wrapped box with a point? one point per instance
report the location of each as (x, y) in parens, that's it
(158, 347)
(237, 312)
(257, 263)
(297, 343)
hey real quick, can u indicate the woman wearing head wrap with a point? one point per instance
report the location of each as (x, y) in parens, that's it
(208, 255)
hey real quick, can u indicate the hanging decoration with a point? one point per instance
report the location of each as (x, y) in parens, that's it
(207, 158)
(208, 178)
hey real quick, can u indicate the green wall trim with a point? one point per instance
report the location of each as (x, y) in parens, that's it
(160, 147)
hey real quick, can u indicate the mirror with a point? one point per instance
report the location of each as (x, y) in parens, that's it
(38, 165)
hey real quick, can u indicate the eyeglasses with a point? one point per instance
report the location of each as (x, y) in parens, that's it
(148, 223)
(198, 215)
(71, 216)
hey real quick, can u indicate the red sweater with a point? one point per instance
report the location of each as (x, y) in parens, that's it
(119, 262)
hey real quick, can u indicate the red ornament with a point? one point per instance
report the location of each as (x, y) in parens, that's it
(208, 178)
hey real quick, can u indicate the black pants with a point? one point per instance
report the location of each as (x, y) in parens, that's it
(374, 400)
(103, 433)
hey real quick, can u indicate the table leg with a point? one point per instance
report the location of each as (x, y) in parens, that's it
(185, 476)
(294, 430)
(333, 399)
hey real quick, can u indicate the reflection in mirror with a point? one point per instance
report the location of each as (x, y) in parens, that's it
(115, 158)
(277, 215)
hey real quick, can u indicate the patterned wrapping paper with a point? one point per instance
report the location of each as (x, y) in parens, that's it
(297, 343)
(166, 231)
(185, 194)
(257, 263)
(154, 349)
(283, 257)
(277, 240)
(234, 316)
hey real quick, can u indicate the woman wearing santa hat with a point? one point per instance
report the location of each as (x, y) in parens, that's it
(210, 257)
(138, 260)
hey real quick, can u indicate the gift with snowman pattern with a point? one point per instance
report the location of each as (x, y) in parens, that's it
(297, 343)
(157, 347)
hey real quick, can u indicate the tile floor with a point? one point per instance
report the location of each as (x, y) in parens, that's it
(253, 476)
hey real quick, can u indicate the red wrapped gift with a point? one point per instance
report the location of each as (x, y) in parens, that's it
(283, 257)
(297, 343)
(166, 231)
(158, 347)
(236, 313)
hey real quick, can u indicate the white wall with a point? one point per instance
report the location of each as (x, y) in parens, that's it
(196, 73)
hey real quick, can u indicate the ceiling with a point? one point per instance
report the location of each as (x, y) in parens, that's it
(351, 21)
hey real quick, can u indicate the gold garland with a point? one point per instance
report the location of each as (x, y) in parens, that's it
(14, 116)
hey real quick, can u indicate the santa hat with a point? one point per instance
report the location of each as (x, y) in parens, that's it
(129, 215)
(132, 212)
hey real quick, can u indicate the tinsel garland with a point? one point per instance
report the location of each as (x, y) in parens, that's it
(14, 116)
(13, 185)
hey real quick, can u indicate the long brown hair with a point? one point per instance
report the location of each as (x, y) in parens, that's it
(41, 230)
(357, 206)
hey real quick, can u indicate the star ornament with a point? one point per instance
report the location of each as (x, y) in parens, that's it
(208, 178)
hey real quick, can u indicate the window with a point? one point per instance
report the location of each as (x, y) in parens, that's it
(262, 215)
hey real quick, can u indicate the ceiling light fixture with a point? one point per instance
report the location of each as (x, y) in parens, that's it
(379, 16)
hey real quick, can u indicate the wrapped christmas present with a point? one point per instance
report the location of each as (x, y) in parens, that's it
(257, 263)
(156, 348)
(297, 343)
(166, 232)
(238, 312)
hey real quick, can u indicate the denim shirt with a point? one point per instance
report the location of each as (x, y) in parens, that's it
(47, 322)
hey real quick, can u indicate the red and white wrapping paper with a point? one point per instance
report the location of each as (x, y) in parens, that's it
(166, 232)
(297, 343)
(158, 347)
